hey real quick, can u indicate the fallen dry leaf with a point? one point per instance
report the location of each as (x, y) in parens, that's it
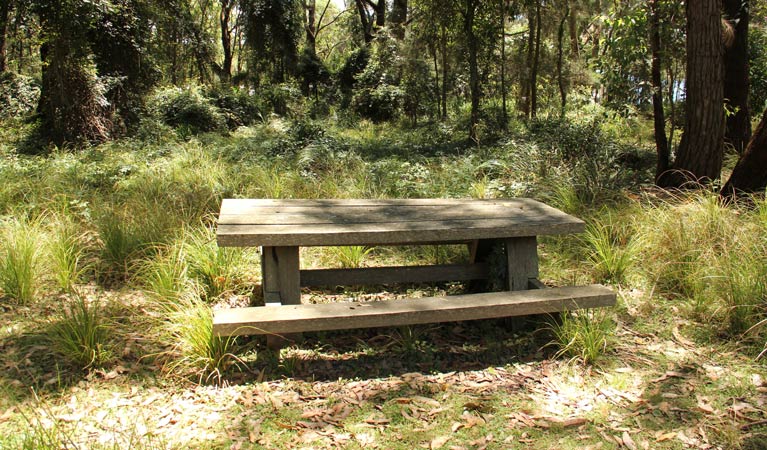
(628, 442)
(439, 442)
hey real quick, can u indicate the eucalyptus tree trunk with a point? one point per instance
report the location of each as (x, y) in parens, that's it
(750, 173)
(699, 157)
(736, 80)
(560, 51)
(536, 59)
(473, 47)
(524, 101)
(226, 38)
(659, 119)
(505, 116)
(5, 11)
(398, 18)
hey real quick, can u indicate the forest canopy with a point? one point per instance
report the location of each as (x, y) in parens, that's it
(92, 71)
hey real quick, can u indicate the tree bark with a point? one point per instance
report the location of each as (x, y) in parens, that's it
(505, 115)
(471, 40)
(659, 119)
(750, 173)
(699, 157)
(226, 39)
(5, 11)
(524, 101)
(536, 59)
(445, 69)
(398, 18)
(736, 80)
(573, 26)
(560, 51)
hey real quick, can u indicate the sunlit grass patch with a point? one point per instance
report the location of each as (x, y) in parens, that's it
(68, 251)
(21, 263)
(587, 335)
(215, 269)
(611, 249)
(196, 351)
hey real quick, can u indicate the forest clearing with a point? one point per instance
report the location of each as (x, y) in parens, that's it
(124, 124)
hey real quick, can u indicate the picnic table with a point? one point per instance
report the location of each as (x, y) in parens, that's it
(281, 227)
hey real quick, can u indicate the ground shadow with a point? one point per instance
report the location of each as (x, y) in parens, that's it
(394, 351)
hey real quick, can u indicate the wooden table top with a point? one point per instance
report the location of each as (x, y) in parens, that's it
(267, 222)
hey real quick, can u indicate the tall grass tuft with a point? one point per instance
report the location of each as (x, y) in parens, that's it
(351, 256)
(586, 335)
(82, 334)
(68, 251)
(165, 273)
(742, 286)
(213, 268)
(122, 240)
(20, 259)
(197, 350)
(610, 249)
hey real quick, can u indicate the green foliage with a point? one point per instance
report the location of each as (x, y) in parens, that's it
(238, 107)
(18, 95)
(757, 69)
(124, 237)
(81, 334)
(586, 335)
(20, 259)
(377, 95)
(188, 109)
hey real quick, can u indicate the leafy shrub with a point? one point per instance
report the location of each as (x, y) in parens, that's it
(18, 95)
(237, 106)
(377, 95)
(284, 98)
(188, 109)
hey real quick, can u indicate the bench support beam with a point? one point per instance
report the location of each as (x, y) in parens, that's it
(281, 283)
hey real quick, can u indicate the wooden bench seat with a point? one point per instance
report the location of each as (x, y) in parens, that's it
(287, 319)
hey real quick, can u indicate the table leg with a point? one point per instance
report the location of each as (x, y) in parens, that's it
(280, 275)
(522, 261)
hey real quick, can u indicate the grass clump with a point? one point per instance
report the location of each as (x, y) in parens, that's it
(586, 335)
(81, 334)
(215, 269)
(68, 254)
(165, 274)
(351, 256)
(197, 352)
(611, 250)
(21, 267)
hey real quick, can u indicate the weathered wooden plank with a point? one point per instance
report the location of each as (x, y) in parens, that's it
(337, 316)
(270, 202)
(390, 233)
(521, 261)
(384, 214)
(388, 275)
